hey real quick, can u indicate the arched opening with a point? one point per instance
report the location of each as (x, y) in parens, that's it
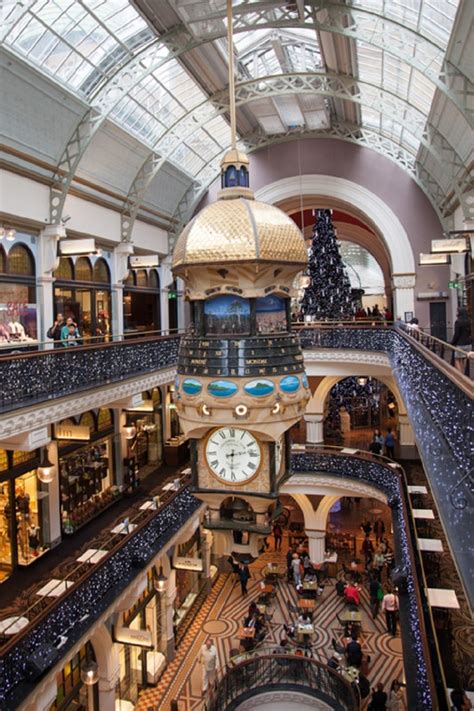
(17, 294)
(241, 513)
(141, 301)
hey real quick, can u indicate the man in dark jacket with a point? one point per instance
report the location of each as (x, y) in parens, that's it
(55, 331)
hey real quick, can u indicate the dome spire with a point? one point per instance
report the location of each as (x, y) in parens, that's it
(235, 163)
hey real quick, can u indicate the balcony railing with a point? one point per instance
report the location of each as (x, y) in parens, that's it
(34, 377)
(424, 675)
(57, 623)
(268, 673)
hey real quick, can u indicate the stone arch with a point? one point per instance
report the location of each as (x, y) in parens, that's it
(318, 399)
(351, 196)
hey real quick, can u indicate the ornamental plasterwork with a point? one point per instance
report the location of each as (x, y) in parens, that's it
(313, 353)
(32, 418)
(356, 488)
(404, 281)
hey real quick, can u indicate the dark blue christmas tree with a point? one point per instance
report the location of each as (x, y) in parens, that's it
(329, 294)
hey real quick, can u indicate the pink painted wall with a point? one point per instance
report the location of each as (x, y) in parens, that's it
(373, 171)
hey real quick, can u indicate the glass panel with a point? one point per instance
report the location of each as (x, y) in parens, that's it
(17, 313)
(20, 261)
(103, 322)
(5, 524)
(31, 505)
(88, 420)
(142, 277)
(65, 269)
(154, 279)
(3, 261)
(104, 420)
(141, 311)
(83, 269)
(101, 271)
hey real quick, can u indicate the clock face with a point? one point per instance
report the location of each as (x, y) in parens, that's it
(233, 455)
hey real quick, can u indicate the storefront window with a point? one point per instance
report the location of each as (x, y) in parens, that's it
(82, 292)
(145, 451)
(24, 535)
(188, 582)
(141, 301)
(72, 693)
(17, 296)
(86, 469)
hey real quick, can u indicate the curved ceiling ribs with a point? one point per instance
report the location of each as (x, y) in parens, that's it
(332, 85)
(415, 49)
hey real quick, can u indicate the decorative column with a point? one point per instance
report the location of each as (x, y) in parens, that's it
(314, 428)
(48, 261)
(206, 546)
(317, 545)
(403, 294)
(407, 436)
(120, 271)
(166, 279)
(107, 688)
(166, 600)
(183, 306)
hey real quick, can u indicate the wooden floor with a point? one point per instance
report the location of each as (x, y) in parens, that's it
(221, 615)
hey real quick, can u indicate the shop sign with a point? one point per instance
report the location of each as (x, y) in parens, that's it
(136, 638)
(143, 261)
(188, 564)
(75, 432)
(449, 245)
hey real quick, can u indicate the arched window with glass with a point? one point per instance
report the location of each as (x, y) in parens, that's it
(18, 323)
(82, 291)
(141, 301)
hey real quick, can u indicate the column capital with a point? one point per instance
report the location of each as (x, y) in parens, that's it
(315, 417)
(121, 253)
(48, 248)
(314, 534)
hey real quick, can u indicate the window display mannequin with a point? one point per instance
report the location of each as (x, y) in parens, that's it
(17, 331)
(33, 538)
(22, 501)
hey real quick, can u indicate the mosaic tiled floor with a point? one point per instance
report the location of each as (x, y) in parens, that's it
(220, 617)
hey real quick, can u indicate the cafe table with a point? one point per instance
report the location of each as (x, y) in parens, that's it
(246, 633)
(350, 616)
(310, 585)
(306, 604)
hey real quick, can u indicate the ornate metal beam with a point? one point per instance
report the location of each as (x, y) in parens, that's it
(330, 85)
(377, 30)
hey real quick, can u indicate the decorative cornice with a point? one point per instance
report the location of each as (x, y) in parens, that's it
(345, 484)
(35, 417)
(316, 354)
(404, 281)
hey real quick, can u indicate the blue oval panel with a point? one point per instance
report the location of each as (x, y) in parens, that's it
(191, 386)
(259, 388)
(290, 384)
(222, 388)
(304, 380)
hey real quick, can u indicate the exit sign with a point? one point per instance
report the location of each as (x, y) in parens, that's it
(453, 285)
(172, 295)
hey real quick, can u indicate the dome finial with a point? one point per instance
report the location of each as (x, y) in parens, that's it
(235, 163)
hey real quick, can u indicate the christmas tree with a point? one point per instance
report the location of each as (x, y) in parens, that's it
(328, 295)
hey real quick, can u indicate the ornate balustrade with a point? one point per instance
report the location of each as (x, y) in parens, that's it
(424, 676)
(58, 623)
(267, 673)
(29, 378)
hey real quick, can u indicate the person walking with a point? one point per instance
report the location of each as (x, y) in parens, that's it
(390, 444)
(209, 661)
(375, 446)
(395, 697)
(462, 338)
(244, 575)
(379, 530)
(278, 536)
(379, 699)
(296, 569)
(390, 607)
(54, 331)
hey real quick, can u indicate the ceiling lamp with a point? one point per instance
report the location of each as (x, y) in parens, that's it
(362, 381)
(130, 431)
(10, 234)
(45, 470)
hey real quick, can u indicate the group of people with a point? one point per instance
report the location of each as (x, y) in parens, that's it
(300, 568)
(374, 313)
(383, 443)
(64, 332)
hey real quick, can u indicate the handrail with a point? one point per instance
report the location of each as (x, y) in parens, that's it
(67, 618)
(420, 630)
(290, 671)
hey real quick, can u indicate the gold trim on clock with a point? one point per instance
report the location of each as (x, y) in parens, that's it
(232, 484)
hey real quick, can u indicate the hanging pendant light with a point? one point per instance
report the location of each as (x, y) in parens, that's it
(45, 471)
(89, 672)
(160, 581)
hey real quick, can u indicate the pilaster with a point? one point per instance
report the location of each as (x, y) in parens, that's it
(47, 262)
(317, 545)
(120, 271)
(403, 293)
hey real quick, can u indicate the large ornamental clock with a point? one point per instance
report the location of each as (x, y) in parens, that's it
(233, 455)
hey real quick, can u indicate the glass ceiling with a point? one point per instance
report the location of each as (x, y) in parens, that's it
(363, 269)
(83, 43)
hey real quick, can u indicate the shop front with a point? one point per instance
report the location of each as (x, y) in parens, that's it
(18, 318)
(72, 693)
(144, 433)
(82, 291)
(141, 301)
(24, 511)
(176, 451)
(189, 568)
(86, 467)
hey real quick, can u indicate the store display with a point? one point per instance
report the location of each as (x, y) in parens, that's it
(86, 485)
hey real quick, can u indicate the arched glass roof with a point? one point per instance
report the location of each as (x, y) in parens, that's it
(148, 74)
(363, 270)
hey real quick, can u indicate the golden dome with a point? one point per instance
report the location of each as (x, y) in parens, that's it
(240, 230)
